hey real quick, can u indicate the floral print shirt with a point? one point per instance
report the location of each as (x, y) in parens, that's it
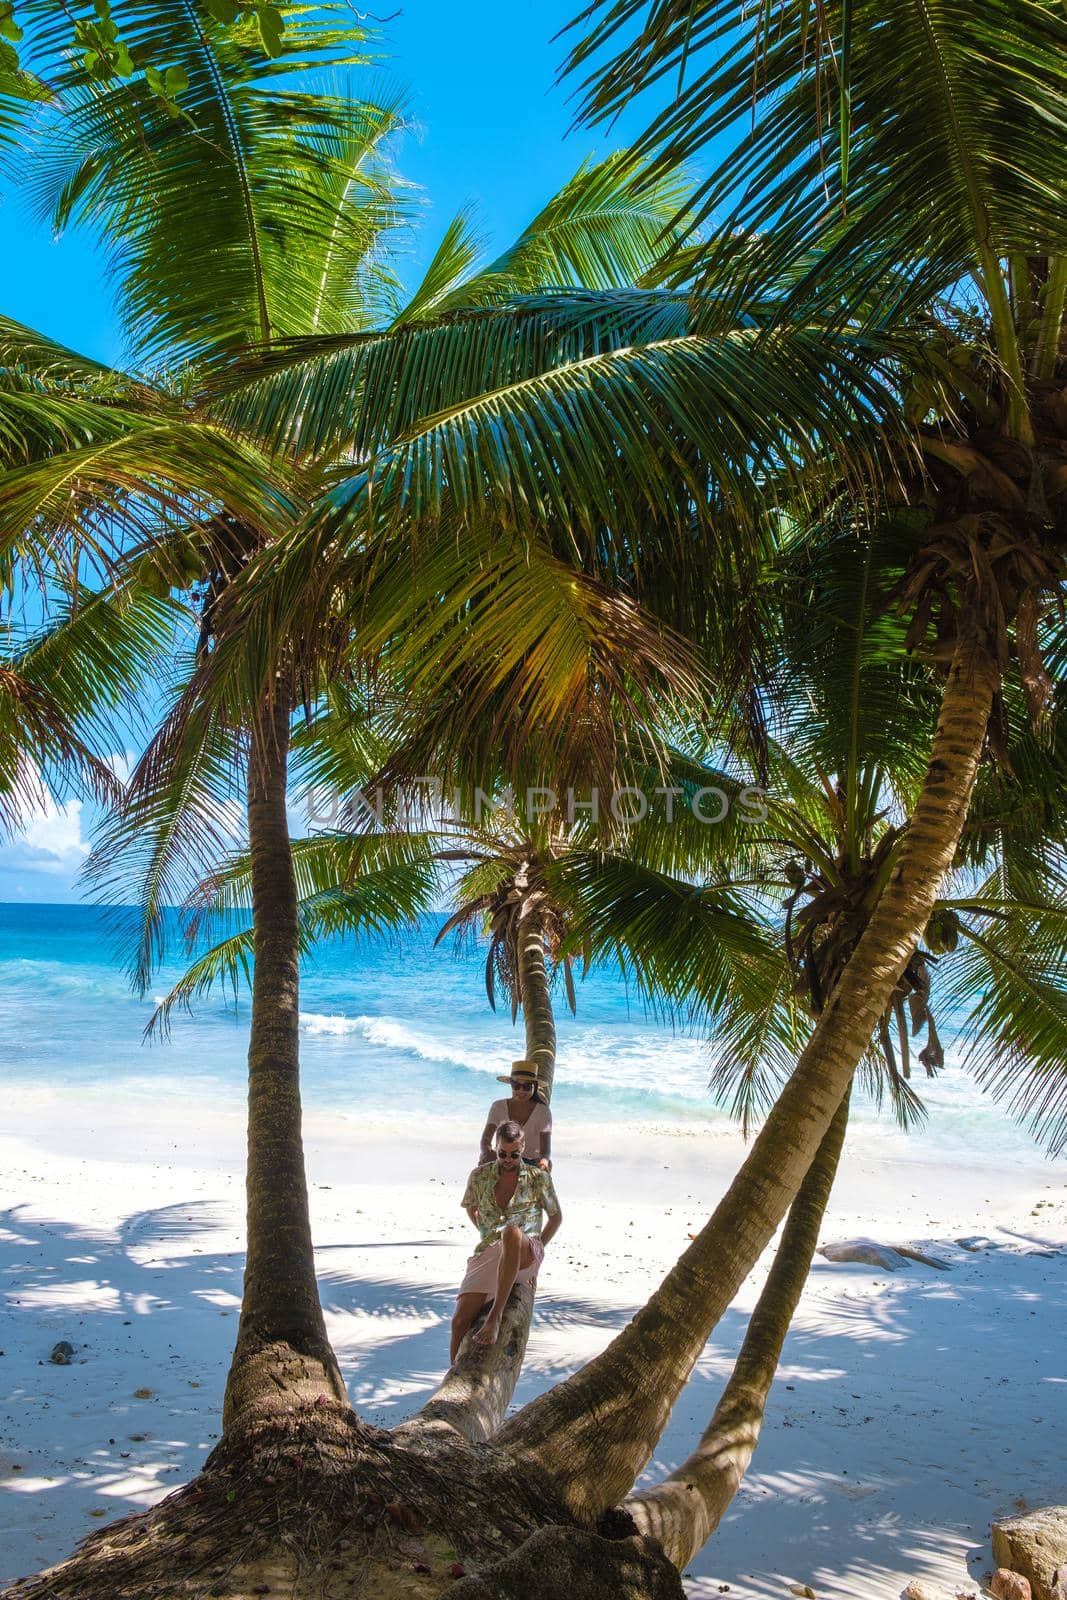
(534, 1193)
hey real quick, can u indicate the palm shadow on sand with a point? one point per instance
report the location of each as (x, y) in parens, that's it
(151, 1310)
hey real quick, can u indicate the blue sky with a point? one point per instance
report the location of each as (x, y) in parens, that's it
(493, 132)
(480, 77)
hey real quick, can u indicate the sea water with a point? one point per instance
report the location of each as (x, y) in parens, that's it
(391, 1028)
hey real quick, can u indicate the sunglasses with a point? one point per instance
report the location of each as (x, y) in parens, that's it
(509, 1155)
(523, 1083)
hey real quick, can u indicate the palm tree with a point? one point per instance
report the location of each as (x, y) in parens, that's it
(977, 262)
(541, 428)
(258, 213)
(984, 554)
(844, 771)
(282, 1350)
(842, 788)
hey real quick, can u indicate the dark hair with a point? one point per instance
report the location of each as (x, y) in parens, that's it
(510, 1131)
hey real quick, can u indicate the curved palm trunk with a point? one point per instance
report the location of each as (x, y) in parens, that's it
(283, 1357)
(473, 1396)
(594, 1433)
(685, 1509)
(535, 997)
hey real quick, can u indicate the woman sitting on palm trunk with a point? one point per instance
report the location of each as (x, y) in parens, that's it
(529, 1109)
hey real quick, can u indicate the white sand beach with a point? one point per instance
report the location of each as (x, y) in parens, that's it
(911, 1408)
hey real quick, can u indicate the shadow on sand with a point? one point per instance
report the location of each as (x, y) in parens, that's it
(952, 1381)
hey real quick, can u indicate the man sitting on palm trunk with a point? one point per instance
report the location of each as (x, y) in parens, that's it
(505, 1201)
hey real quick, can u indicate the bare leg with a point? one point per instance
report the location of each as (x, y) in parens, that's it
(515, 1253)
(467, 1308)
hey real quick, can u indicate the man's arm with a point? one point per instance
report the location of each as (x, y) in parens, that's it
(551, 1227)
(470, 1197)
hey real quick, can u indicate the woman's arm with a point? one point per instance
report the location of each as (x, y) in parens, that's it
(485, 1149)
(546, 1150)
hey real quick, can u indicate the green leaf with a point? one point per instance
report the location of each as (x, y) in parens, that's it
(956, 121)
(216, 251)
(271, 25)
(9, 28)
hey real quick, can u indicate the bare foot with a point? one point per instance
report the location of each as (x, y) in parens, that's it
(489, 1331)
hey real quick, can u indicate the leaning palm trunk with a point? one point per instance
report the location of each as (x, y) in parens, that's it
(535, 997)
(594, 1433)
(549, 1473)
(283, 1358)
(685, 1509)
(473, 1396)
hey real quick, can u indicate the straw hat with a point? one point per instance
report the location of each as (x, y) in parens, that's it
(522, 1070)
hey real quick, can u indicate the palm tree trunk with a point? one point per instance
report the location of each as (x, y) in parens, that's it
(283, 1357)
(535, 996)
(594, 1433)
(685, 1509)
(474, 1394)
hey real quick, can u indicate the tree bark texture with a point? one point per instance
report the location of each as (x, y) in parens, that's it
(595, 1432)
(283, 1357)
(684, 1510)
(473, 1396)
(536, 998)
(570, 1564)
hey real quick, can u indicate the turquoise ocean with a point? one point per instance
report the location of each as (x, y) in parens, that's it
(390, 1029)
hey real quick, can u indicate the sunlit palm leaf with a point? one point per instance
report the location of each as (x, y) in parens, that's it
(955, 129)
(180, 816)
(377, 899)
(208, 214)
(1011, 974)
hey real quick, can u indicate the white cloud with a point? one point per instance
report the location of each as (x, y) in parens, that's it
(50, 840)
(122, 763)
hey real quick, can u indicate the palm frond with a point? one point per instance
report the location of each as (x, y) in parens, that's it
(448, 267)
(754, 1048)
(951, 155)
(207, 214)
(689, 947)
(384, 889)
(607, 228)
(354, 392)
(180, 816)
(1011, 975)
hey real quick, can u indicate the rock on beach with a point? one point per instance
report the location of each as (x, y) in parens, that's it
(1035, 1545)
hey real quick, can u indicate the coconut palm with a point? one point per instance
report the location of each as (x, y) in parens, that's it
(265, 209)
(178, 790)
(843, 784)
(979, 257)
(984, 554)
(567, 448)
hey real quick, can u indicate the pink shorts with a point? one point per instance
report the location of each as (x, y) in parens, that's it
(482, 1269)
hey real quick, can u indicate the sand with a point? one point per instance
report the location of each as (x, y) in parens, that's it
(910, 1410)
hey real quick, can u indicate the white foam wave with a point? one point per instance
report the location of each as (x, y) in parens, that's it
(391, 1035)
(629, 1059)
